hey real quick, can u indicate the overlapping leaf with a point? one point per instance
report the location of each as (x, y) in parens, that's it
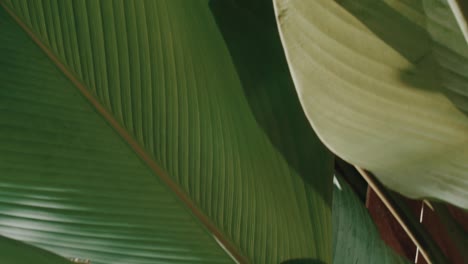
(451, 51)
(370, 86)
(70, 184)
(355, 237)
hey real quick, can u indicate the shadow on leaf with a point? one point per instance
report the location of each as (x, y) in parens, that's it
(250, 32)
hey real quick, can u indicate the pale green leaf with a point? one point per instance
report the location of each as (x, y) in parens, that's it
(368, 81)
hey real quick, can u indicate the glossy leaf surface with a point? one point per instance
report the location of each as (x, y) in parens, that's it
(72, 184)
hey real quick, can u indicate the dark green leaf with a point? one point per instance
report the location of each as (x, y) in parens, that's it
(71, 184)
(355, 237)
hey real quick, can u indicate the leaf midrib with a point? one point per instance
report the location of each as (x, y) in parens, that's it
(224, 242)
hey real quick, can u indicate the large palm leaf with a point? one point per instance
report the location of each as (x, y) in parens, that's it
(129, 137)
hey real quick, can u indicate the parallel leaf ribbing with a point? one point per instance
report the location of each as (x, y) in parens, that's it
(163, 70)
(70, 184)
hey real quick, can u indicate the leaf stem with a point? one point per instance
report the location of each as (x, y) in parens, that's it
(398, 208)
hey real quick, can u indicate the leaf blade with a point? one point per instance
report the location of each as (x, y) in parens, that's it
(370, 91)
(355, 237)
(204, 133)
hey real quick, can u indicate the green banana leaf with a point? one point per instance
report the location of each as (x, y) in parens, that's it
(15, 252)
(355, 237)
(128, 135)
(370, 79)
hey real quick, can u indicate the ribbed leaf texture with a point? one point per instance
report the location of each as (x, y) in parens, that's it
(368, 81)
(70, 184)
(236, 143)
